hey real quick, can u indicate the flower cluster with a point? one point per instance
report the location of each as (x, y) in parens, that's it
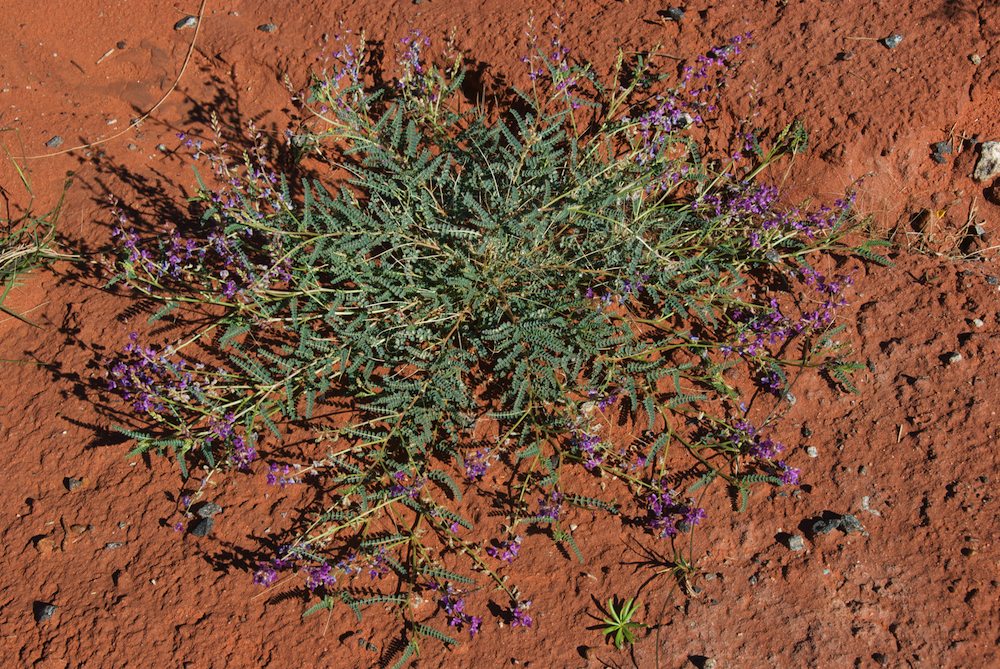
(505, 551)
(148, 379)
(518, 614)
(666, 516)
(454, 609)
(476, 464)
(282, 475)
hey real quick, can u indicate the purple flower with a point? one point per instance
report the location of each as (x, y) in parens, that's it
(476, 464)
(505, 551)
(788, 475)
(519, 614)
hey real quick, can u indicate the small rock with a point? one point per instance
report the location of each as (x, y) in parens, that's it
(72, 483)
(162, 148)
(978, 322)
(43, 611)
(81, 529)
(806, 432)
(812, 452)
(55, 142)
(796, 542)
(202, 527)
(268, 28)
(880, 658)
(941, 147)
(845, 55)
(863, 470)
(790, 398)
(993, 280)
(132, 147)
(850, 523)
(710, 663)
(112, 545)
(976, 59)
(208, 509)
(954, 358)
(45, 545)
(938, 158)
(673, 13)
(186, 22)
(989, 162)
(892, 41)
(822, 526)
(121, 44)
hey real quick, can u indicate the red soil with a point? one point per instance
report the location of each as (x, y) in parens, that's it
(913, 457)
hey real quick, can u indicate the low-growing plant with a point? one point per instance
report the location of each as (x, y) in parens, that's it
(512, 306)
(27, 241)
(619, 625)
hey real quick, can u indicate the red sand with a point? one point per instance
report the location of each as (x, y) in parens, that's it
(913, 457)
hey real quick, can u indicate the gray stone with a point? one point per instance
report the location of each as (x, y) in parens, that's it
(112, 545)
(849, 523)
(989, 161)
(186, 22)
(674, 13)
(202, 527)
(892, 41)
(976, 59)
(954, 358)
(268, 28)
(812, 452)
(208, 509)
(43, 611)
(824, 526)
(796, 542)
(72, 483)
(55, 142)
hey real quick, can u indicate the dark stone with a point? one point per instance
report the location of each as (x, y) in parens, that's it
(268, 28)
(202, 527)
(207, 510)
(849, 523)
(72, 483)
(823, 526)
(43, 611)
(941, 147)
(672, 13)
(186, 22)
(938, 158)
(55, 142)
(121, 44)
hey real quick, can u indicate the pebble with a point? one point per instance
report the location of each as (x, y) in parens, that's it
(72, 483)
(824, 526)
(850, 523)
(993, 280)
(43, 611)
(989, 162)
(710, 663)
(132, 147)
(186, 22)
(162, 148)
(121, 45)
(954, 358)
(268, 28)
(112, 545)
(941, 147)
(45, 545)
(673, 13)
(796, 542)
(938, 158)
(976, 59)
(812, 452)
(208, 509)
(978, 322)
(202, 527)
(845, 55)
(55, 142)
(892, 41)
